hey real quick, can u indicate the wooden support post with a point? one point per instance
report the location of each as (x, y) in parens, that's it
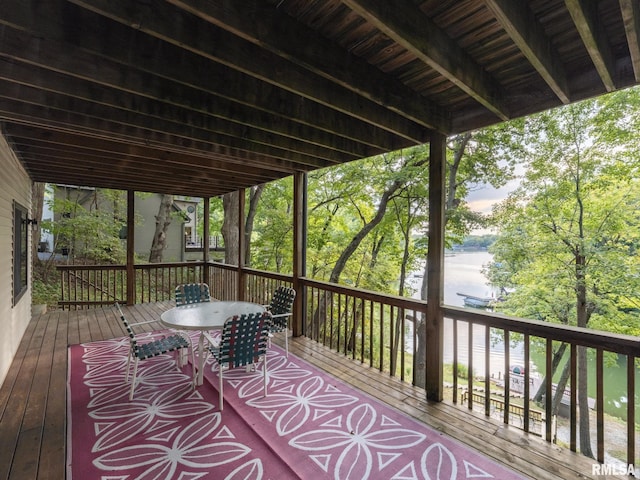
(435, 267)
(131, 272)
(299, 249)
(242, 281)
(206, 242)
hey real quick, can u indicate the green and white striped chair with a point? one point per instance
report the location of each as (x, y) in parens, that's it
(192, 293)
(243, 342)
(175, 342)
(281, 308)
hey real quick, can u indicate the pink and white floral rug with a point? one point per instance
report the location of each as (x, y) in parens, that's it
(310, 426)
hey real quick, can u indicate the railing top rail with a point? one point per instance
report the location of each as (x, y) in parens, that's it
(613, 342)
(90, 267)
(151, 266)
(395, 300)
(139, 266)
(224, 266)
(275, 276)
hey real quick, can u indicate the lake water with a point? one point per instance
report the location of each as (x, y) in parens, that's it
(463, 274)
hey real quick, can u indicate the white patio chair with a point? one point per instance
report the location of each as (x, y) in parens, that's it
(175, 342)
(192, 293)
(243, 342)
(281, 309)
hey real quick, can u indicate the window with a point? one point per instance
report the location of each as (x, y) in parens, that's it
(20, 252)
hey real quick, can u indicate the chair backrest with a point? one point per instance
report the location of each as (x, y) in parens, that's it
(244, 339)
(130, 332)
(282, 301)
(192, 293)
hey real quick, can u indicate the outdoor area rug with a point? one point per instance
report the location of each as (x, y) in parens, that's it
(310, 426)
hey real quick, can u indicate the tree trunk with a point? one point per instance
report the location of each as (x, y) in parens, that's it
(364, 231)
(230, 230)
(254, 199)
(163, 220)
(562, 385)
(37, 205)
(398, 327)
(555, 361)
(583, 395)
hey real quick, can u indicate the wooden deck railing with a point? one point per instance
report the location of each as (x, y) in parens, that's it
(379, 330)
(84, 286)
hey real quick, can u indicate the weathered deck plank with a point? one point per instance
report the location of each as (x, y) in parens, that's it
(33, 400)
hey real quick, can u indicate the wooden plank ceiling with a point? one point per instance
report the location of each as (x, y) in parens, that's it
(202, 97)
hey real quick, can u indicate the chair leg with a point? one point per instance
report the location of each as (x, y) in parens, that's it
(220, 394)
(133, 381)
(286, 341)
(264, 374)
(194, 378)
(126, 376)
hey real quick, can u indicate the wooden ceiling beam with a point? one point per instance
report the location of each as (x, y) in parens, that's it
(525, 31)
(66, 156)
(100, 128)
(138, 173)
(195, 35)
(155, 140)
(203, 188)
(109, 48)
(158, 116)
(406, 24)
(266, 27)
(138, 161)
(585, 18)
(72, 140)
(631, 17)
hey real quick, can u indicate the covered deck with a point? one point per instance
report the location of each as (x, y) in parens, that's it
(33, 431)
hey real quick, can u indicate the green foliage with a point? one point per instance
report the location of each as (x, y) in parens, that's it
(463, 372)
(44, 293)
(477, 242)
(573, 225)
(272, 240)
(344, 199)
(87, 224)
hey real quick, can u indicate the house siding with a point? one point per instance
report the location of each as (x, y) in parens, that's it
(146, 208)
(15, 185)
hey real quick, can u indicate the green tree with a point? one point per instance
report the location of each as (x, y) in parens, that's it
(87, 224)
(474, 159)
(569, 233)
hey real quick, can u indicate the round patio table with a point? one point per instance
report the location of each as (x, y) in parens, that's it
(206, 316)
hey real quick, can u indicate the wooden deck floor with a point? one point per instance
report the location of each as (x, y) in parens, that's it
(33, 401)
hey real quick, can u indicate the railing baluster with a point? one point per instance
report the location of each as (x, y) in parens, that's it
(631, 411)
(455, 360)
(371, 310)
(600, 404)
(507, 378)
(381, 340)
(487, 367)
(548, 390)
(573, 427)
(362, 328)
(527, 381)
(470, 366)
(402, 349)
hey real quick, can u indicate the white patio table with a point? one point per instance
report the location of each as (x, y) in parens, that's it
(205, 316)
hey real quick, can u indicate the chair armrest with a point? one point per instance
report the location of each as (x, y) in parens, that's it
(287, 314)
(184, 335)
(214, 343)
